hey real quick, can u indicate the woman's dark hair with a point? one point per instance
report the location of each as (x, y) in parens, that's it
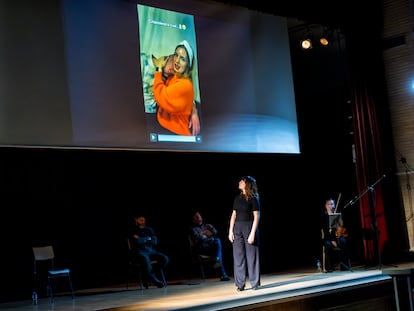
(251, 187)
(249, 178)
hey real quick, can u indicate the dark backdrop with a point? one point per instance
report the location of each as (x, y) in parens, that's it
(81, 201)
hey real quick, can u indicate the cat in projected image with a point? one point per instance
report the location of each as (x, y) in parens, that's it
(148, 77)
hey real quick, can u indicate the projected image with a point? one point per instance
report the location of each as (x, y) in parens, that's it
(165, 76)
(169, 75)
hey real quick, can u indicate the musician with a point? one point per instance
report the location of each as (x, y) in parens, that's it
(334, 238)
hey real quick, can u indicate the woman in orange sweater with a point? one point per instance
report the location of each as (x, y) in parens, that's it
(175, 96)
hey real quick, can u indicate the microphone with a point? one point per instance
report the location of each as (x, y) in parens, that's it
(353, 201)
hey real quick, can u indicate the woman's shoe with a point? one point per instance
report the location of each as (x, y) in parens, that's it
(240, 289)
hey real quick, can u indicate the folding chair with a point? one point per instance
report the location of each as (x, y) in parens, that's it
(198, 258)
(135, 264)
(47, 255)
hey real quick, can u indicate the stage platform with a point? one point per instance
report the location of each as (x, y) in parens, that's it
(305, 290)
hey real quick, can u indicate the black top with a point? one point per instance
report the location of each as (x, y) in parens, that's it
(245, 208)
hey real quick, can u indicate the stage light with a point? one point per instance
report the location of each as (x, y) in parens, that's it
(324, 41)
(306, 44)
(326, 37)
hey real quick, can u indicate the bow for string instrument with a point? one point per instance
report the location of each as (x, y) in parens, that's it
(340, 230)
(337, 202)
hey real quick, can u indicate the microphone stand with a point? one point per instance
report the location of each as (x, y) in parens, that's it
(373, 215)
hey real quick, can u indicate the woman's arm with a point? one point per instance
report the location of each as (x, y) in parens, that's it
(256, 217)
(231, 226)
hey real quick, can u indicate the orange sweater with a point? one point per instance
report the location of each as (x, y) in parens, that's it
(175, 100)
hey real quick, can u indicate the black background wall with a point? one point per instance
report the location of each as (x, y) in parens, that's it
(82, 201)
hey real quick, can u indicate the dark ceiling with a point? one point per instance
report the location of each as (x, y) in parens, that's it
(341, 13)
(317, 10)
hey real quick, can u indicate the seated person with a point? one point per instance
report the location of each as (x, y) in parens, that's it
(143, 241)
(335, 240)
(208, 243)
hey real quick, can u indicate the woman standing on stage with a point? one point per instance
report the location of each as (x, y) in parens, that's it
(244, 234)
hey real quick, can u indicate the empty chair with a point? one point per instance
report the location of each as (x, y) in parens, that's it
(46, 255)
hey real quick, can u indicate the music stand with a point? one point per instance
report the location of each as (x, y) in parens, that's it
(334, 220)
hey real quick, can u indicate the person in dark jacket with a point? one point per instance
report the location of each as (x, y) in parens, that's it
(143, 242)
(207, 242)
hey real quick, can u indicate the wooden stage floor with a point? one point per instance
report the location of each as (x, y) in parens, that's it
(305, 289)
